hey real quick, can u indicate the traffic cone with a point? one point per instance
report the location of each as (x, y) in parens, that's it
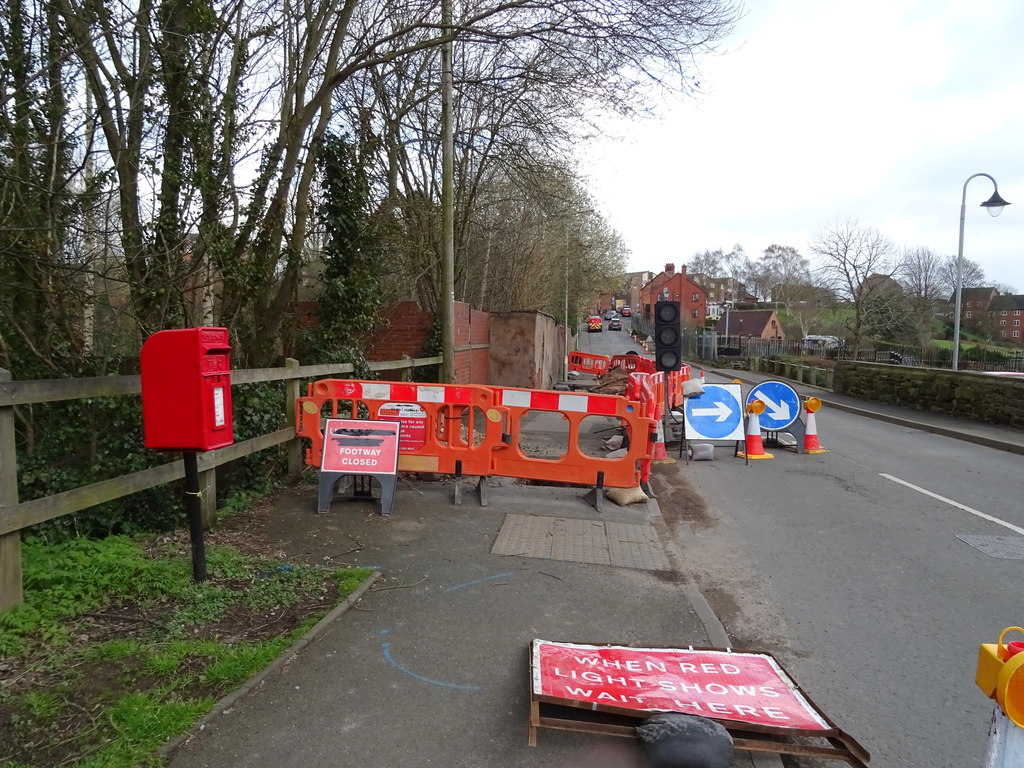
(659, 454)
(811, 444)
(753, 443)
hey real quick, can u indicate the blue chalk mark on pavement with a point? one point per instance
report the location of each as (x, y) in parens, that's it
(478, 581)
(386, 647)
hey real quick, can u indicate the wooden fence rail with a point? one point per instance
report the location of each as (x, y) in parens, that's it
(16, 515)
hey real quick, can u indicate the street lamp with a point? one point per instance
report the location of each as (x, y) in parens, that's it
(994, 205)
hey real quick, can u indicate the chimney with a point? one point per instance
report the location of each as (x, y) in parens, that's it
(670, 269)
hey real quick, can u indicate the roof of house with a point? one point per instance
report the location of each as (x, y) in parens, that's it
(754, 320)
(1007, 301)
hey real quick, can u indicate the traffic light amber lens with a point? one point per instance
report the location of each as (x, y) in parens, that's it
(668, 336)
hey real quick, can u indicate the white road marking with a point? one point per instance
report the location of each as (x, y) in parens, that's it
(958, 505)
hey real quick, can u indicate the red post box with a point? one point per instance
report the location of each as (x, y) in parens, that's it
(186, 390)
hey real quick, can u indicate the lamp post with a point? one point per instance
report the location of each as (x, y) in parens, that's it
(994, 205)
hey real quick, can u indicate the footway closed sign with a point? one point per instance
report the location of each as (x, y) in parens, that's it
(748, 687)
(359, 446)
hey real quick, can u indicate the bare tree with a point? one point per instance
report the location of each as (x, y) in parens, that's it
(211, 113)
(858, 264)
(973, 276)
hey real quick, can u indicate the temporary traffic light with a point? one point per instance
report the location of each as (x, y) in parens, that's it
(668, 340)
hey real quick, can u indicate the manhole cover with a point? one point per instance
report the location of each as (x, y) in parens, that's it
(581, 541)
(1003, 547)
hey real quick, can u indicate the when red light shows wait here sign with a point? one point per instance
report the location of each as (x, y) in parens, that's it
(748, 687)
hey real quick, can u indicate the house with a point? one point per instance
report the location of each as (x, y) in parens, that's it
(724, 289)
(877, 284)
(1005, 313)
(670, 285)
(752, 323)
(974, 304)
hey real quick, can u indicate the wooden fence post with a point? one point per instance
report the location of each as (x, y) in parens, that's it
(208, 496)
(10, 543)
(291, 396)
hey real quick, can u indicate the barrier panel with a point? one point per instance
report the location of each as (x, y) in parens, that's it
(639, 389)
(633, 363)
(588, 363)
(477, 430)
(445, 429)
(573, 466)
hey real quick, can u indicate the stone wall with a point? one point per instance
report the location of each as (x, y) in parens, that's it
(991, 399)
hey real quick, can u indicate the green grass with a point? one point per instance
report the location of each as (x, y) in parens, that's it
(116, 649)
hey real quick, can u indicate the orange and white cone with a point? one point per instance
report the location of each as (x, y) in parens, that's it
(811, 444)
(753, 444)
(659, 454)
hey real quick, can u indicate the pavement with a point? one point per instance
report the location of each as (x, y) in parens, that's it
(428, 664)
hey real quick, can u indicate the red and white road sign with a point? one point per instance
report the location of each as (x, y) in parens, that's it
(748, 687)
(360, 447)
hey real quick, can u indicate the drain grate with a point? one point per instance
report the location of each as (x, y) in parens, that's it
(581, 541)
(1003, 547)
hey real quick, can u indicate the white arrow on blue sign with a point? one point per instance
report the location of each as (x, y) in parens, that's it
(781, 404)
(715, 415)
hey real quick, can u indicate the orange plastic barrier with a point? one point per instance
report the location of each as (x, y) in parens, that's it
(633, 363)
(639, 389)
(574, 466)
(476, 430)
(441, 425)
(587, 363)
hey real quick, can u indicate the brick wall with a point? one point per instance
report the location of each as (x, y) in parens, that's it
(405, 335)
(408, 329)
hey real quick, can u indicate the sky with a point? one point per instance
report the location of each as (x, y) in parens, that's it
(815, 112)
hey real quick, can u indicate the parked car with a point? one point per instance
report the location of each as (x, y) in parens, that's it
(627, 312)
(609, 314)
(615, 324)
(594, 323)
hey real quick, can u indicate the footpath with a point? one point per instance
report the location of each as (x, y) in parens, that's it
(429, 666)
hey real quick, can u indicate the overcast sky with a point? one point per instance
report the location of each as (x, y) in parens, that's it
(815, 112)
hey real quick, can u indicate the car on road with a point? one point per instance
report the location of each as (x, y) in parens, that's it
(609, 314)
(627, 312)
(615, 324)
(594, 323)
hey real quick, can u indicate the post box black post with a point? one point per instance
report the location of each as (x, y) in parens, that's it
(194, 511)
(186, 407)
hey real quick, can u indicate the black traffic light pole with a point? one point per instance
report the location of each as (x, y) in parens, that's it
(668, 353)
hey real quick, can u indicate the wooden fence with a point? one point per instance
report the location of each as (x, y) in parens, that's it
(16, 515)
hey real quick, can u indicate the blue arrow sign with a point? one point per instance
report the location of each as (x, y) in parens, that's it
(781, 404)
(715, 415)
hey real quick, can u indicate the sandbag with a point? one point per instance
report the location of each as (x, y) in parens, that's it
(701, 452)
(675, 740)
(626, 496)
(693, 387)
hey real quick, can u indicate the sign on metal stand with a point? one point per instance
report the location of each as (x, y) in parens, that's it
(356, 447)
(781, 404)
(715, 415)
